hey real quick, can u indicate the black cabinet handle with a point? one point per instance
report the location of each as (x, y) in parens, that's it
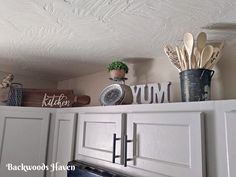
(114, 156)
(126, 141)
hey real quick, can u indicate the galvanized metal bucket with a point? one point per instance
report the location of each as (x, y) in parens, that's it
(196, 84)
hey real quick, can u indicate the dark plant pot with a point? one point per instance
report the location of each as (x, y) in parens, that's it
(117, 74)
(196, 84)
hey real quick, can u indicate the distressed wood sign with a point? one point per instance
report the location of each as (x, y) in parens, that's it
(151, 93)
(55, 101)
(52, 98)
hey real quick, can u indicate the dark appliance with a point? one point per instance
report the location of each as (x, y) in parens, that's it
(83, 169)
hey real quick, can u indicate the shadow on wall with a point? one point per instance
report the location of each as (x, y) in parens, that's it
(140, 69)
(154, 70)
(226, 72)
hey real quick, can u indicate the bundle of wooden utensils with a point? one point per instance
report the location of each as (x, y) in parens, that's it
(194, 54)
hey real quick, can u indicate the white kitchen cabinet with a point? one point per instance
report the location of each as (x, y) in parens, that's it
(167, 143)
(225, 139)
(95, 135)
(63, 141)
(23, 140)
(163, 143)
(230, 132)
(167, 139)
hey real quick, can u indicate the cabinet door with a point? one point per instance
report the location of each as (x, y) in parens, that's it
(95, 133)
(168, 144)
(230, 142)
(224, 159)
(23, 140)
(63, 143)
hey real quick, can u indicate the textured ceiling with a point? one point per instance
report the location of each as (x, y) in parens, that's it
(59, 39)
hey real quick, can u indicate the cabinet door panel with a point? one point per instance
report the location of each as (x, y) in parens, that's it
(23, 140)
(63, 145)
(166, 143)
(230, 132)
(96, 135)
(224, 156)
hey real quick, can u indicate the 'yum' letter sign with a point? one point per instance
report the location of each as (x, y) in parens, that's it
(151, 93)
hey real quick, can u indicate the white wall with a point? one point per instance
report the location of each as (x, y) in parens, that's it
(30, 82)
(91, 85)
(157, 70)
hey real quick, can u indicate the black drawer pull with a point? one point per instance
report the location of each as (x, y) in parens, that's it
(126, 141)
(114, 156)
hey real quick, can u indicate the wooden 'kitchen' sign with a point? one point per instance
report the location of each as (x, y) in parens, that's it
(56, 100)
(52, 98)
(151, 93)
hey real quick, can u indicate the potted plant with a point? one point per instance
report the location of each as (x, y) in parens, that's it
(117, 69)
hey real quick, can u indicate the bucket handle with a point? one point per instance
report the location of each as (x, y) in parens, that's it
(212, 73)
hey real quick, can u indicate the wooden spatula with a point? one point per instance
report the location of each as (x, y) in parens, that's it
(172, 55)
(214, 59)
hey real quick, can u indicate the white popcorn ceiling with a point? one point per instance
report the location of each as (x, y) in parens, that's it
(60, 39)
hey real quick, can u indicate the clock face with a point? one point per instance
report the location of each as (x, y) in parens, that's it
(112, 95)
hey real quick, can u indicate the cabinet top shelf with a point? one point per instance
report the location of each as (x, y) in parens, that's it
(175, 106)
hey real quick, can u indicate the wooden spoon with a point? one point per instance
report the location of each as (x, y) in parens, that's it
(198, 57)
(206, 55)
(183, 56)
(201, 41)
(189, 45)
(194, 62)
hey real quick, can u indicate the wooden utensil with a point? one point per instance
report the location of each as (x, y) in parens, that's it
(172, 55)
(217, 54)
(201, 41)
(198, 57)
(189, 45)
(219, 44)
(183, 56)
(214, 59)
(179, 57)
(206, 55)
(194, 62)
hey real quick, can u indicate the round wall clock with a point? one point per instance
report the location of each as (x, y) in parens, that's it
(116, 94)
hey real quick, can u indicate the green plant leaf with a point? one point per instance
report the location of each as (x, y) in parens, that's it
(118, 65)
